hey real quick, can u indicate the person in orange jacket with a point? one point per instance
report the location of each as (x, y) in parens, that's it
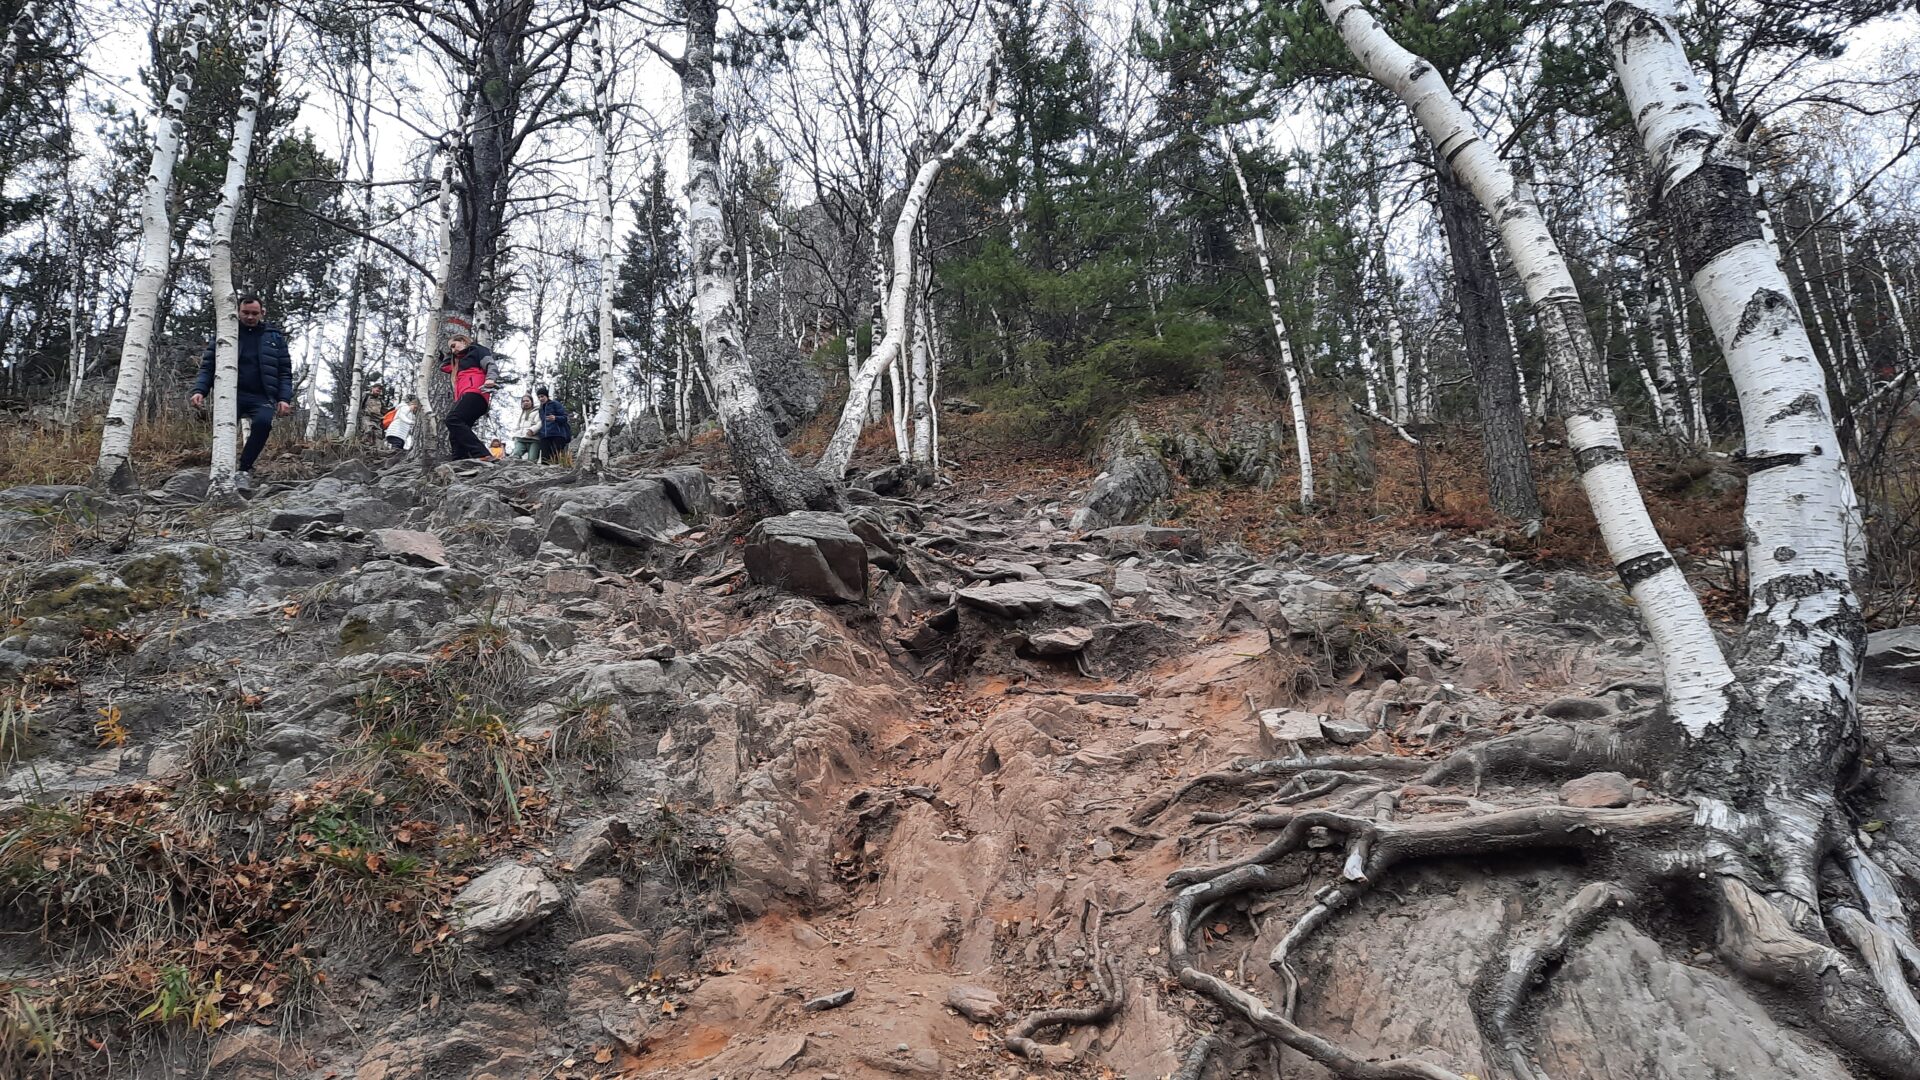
(471, 366)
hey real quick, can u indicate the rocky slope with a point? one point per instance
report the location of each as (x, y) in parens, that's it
(508, 771)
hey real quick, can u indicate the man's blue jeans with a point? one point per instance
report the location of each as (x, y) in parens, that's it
(259, 410)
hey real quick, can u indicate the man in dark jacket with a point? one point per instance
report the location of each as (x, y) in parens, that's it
(265, 388)
(555, 431)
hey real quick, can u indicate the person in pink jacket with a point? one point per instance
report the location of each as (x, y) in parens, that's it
(471, 366)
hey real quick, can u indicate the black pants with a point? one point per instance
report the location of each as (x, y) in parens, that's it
(396, 442)
(466, 412)
(259, 409)
(551, 449)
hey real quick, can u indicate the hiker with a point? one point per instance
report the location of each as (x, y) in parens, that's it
(264, 389)
(471, 365)
(555, 433)
(399, 422)
(526, 431)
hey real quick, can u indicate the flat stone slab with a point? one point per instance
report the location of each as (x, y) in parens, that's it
(409, 546)
(1023, 599)
(1283, 729)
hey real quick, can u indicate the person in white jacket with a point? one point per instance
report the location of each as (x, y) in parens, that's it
(400, 431)
(526, 431)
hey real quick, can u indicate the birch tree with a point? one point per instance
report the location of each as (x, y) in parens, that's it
(774, 483)
(426, 421)
(224, 401)
(887, 354)
(597, 442)
(1289, 370)
(1769, 770)
(114, 469)
(1754, 753)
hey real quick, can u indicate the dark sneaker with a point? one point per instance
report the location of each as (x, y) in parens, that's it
(243, 483)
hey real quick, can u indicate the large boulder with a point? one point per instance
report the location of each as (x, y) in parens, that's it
(812, 552)
(505, 901)
(1894, 653)
(1027, 599)
(1134, 479)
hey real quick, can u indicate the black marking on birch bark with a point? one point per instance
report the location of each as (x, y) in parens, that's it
(1766, 308)
(1592, 457)
(1641, 567)
(1770, 461)
(1784, 554)
(1710, 211)
(1626, 21)
(1808, 403)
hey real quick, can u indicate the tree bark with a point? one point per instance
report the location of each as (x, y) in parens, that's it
(1767, 773)
(1696, 673)
(1289, 370)
(839, 451)
(114, 469)
(597, 444)
(1490, 355)
(426, 421)
(226, 299)
(774, 484)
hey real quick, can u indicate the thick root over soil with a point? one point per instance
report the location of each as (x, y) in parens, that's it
(1637, 853)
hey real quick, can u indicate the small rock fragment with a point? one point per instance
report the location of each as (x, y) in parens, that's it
(1107, 698)
(1062, 642)
(1282, 729)
(783, 1051)
(1344, 732)
(976, 1003)
(1598, 790)
(829, 1001)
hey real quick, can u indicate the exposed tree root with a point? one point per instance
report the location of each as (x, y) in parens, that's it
(1194, 1065)
(1340, 1061)
(1113, 994)
(1502, 996)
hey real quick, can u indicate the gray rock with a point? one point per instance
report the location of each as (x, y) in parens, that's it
(976, 1003)
(1894, 653)
(1601, 789)
(1198, 461)
(409, 546)
(505, 901)
(1142, 539)
(961, 406)
(689, 488)
(293, 517)
(1023, 599)
(829, 1001)
(1133, 480)
(1283, 729)
(1344, 732)
(1107, 697)
(1062, 642)
(1397, 579)
(1578, 708)
(812, 553)
(187, 485)
(1315, 606)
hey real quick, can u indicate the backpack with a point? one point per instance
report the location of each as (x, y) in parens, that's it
(387, 420)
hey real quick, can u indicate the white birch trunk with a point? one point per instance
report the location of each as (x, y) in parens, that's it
(597, 443)
(920, 380)
(1296, 393)
(76, 337)
(1885, 275)
(226, 299)
(114, 469)
(356, 349)
(25, 25)
(1397, 345)
(1799, 507)
(897, 387)
(426, 423)
(313, 393)
(1696, 674)
(1673, 419)
(833, 461)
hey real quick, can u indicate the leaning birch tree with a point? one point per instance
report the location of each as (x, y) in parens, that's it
(1752, 755)
(886, 354)
(226, 299)
(597, 442)
(114, 469)
(1296, 393)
